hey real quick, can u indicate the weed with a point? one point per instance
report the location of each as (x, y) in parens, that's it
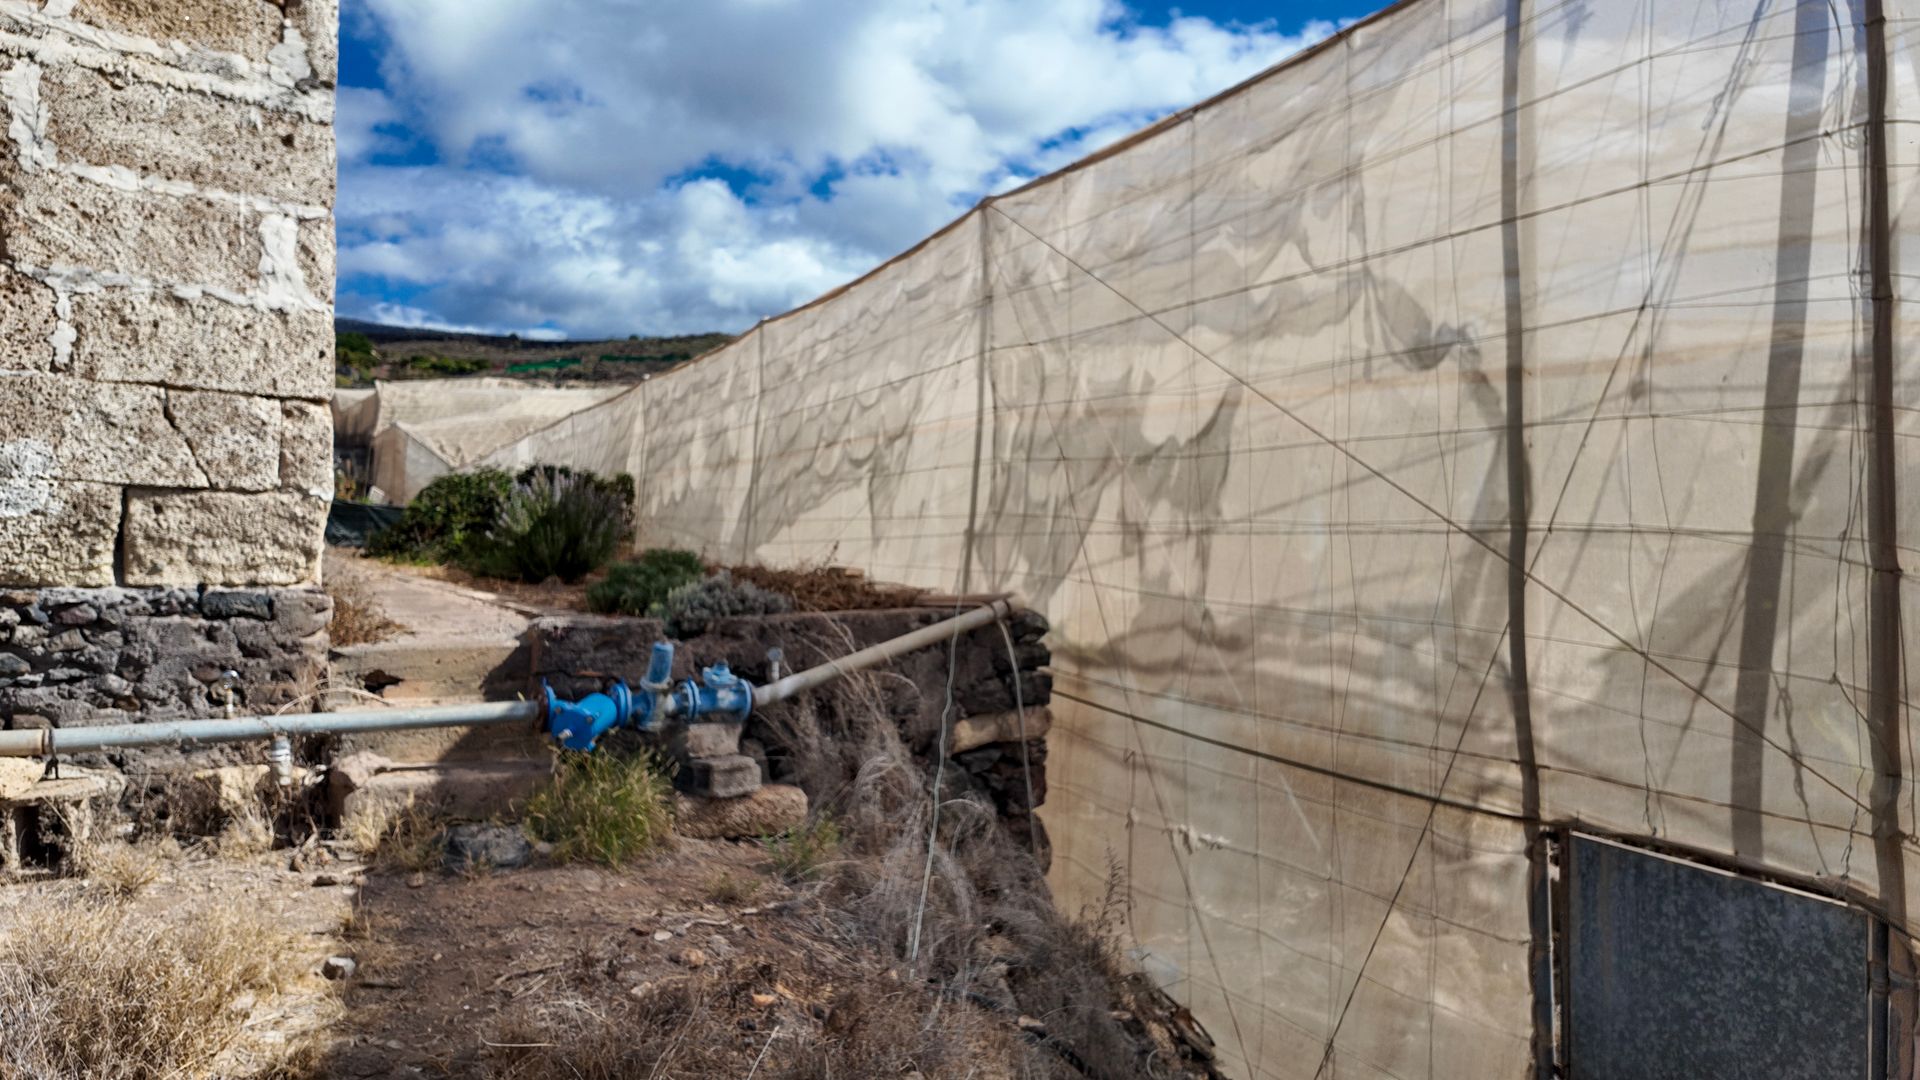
(248, 832)
(800, 853)
(638, 587)
(605, 807)
(102, 990)
(551, 525)
(357, 618)
(726, 889)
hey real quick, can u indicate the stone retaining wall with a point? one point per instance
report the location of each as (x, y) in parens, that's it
(166, 341)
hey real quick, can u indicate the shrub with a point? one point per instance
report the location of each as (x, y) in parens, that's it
(638, 587)
(551, 525)
(690, 609)
(447, 515)
(605, 807)
(426, 367)
(620, 485)
(801, 852)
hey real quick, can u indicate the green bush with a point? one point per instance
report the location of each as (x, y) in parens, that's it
(638, 587)
(421, 367)
(445, 517)
(690, 609)
(801, 852)
(619, 485)
(551, 525)
(605, 807)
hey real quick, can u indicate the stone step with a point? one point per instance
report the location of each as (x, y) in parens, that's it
(421, 669)
(365, 793)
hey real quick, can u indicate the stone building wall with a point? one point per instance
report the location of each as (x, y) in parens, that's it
(166, 340)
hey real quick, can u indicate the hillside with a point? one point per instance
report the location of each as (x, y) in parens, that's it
(371, 350)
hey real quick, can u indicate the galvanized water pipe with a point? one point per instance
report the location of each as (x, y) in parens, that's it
(79, 740)
(802, 681)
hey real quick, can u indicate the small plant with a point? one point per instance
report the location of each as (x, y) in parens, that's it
(551, 525)
(605, 807)
(124, 871)
(726, 889)
(444, 518)
(690, 609)
(801, 852)
(405, 840)
(640, 586)
(427, 367)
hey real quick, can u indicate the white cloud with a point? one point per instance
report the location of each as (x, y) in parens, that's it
(562, 128)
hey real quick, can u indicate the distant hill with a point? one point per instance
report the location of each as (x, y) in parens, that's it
(372, 350)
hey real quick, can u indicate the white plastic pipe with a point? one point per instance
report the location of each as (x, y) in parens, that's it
(79, 740)
(802, 681)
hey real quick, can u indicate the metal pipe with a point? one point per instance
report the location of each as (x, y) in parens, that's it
(79, 740)
(802, 681)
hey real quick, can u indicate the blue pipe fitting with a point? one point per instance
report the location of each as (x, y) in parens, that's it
(719, 694)
(578, 725)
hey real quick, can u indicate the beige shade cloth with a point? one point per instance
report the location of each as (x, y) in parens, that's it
(1294, 411)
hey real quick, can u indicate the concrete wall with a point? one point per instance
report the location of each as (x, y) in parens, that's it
(166, 291)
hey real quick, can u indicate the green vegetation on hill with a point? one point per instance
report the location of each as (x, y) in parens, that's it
(368, 351)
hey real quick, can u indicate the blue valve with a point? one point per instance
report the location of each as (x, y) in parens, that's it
(717, 694)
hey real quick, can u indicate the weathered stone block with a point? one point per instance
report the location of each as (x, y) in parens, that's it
(974, 732)
(319, 25)
(721, 777)
(248, 27)
(105, 433)
(306, 448)
(132, 335)
(56, 531)
(317, 252)
(709, 739)
(26, 323)
(101, 119)
(65, 221)
(218, 538)
(235, 439)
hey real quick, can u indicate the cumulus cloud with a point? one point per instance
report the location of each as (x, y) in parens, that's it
(612, 166)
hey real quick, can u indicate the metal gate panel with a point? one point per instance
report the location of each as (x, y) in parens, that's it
(1677, 970)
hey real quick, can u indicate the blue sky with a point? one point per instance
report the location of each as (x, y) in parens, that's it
(606, 167)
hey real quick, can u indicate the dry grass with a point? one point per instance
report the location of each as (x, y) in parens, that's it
(248, 832)
(727, 889)
(801, 853)
(99, 989)
(123, 870)
(357, 617)
(407, 840)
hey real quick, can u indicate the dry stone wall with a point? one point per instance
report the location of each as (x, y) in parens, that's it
(166, 352)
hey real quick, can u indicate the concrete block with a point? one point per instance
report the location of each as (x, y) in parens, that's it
(762, 812)
(56, 532)
(26, 323)
(100, 119)
(721, 777)
(709, 739)
(160, 238)
(110, 434)
(974, 732)
(306, 448)
(235, 438)
(220, 538)
(18, 775)
(136, 335)
(248, 27)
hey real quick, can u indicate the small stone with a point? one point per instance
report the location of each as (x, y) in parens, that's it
(76, 615)
(416, 880)
(12, 667)
(338, 967)
(29, 635)
(663, 935)
(691, 958)
(67, 641)
(764, 1001)
(496, 847)
(324, 881)
(230, 605)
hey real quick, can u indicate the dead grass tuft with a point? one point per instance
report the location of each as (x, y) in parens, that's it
(98, 989)
(407, 840)
(357, 617)
(801, 853)
(727, 889)
(124, 870)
